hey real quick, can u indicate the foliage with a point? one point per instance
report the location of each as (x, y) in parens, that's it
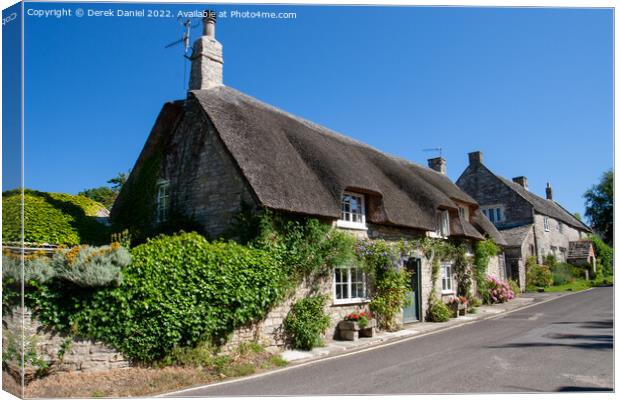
(390, 283)
(56, 218)
(604, 256)
(497, 291)
(537, 275)
(102, 194)
(563, 273)
(514, 286)
(600, 207)
(88, 266)
(462, 270)
(361, 317)
(178, 290)
(483, 251)
(306, 322)
(438, 311)
(37, 267)
(305, 245)
(20, 350)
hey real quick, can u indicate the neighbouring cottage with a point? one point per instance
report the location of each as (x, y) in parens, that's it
(530, 225)
(219, 151)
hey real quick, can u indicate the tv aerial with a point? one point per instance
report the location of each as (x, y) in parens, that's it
(438, 149)
(188, 25)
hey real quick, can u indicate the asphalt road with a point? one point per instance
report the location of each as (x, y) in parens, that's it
(562, 345)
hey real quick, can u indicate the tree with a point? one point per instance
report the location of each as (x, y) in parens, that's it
(104, 194)
(600, 207)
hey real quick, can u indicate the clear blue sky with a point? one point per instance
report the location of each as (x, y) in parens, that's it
(531, 88)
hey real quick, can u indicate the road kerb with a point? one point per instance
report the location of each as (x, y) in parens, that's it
(370, 347)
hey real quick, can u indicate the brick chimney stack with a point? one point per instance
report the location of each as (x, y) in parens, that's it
(438, 164)
(207, 59)
(521, 180)
(475, 158)
(549, 191)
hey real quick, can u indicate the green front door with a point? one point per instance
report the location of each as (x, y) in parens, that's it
(411, 313)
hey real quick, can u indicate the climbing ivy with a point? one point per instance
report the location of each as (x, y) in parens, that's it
(483, 251)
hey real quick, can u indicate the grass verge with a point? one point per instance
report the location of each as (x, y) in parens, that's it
(140, 381)
(575, 286)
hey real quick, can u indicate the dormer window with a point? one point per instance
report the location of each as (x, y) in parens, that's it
(163, 200)
(494, 213)
(353, 211)
(443, 224)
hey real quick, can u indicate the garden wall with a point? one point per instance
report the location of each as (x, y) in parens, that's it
(59, 352)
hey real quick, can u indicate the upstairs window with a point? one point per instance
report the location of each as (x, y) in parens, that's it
(494, 213)
(353, 211)
(163, 200)
(546, 224)
(560, 227)
(462, 212)
(443, 224)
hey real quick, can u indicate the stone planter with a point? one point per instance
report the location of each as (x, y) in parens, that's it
(460, 310)
(351, 330)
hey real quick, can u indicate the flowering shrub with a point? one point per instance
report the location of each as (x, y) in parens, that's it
(361, 317)
(497, 291)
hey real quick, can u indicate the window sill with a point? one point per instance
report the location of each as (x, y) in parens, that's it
(344, 302)
(351, 225)
(448, 292)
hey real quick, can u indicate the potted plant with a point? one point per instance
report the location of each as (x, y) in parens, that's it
(458, 305)
(358, 323)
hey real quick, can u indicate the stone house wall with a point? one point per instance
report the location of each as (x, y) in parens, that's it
(553, 241)
(205, 184)
(79, 354)
(481, 184)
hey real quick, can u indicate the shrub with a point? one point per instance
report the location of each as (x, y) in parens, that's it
(604, 256)
(483, 251)
(497, 291)
(57, 218)
(37, 267)
(88, 266)
(514, 286)
(563, 273)
(537, 275)
(177, 291)
(438, 312)
(390, 296)
(306, 322)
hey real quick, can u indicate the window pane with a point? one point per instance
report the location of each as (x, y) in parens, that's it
(491, 215)
(499, 214)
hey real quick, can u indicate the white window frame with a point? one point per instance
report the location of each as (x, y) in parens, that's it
(446, 277)
(560, 227)
(443, 224)
(163, 201)
(546, 223)
(344, 223)
(348, 285)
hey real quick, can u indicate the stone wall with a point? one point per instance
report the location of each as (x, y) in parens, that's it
(481, 184)
(553, 241)
(205, 184)
(59, 352)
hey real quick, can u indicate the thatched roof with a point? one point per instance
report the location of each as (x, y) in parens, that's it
(546, 207)
(297, 166)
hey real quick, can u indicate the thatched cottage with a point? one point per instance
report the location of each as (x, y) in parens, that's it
(530, 224)
(217, 150)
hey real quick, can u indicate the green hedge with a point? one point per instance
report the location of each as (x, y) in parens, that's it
(177, 291)
(56, 218)
(306, 322)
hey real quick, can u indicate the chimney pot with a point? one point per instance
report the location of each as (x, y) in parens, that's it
(475, 158)
(209, 19)
(549, 191)
(438, 164)
(521, 180)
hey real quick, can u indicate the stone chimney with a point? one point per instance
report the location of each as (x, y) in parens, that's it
(521, 180)
(549, 191)
(438, 164)
(475, 158)
(207, 60)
